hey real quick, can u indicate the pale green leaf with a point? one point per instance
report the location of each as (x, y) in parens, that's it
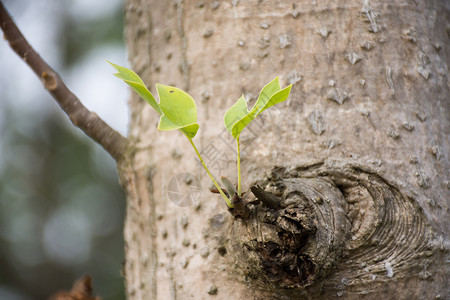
(267, 91)
(278, 97)
(165, 125)
(237, 117)
(136, 83)
(235, 113)
(242, 123)
(179, 110)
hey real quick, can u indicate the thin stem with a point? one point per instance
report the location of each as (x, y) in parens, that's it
(239, 191)
(228, 201)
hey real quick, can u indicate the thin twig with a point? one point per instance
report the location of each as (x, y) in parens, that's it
(89, 122)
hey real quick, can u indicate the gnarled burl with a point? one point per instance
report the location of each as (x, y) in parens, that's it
(330, 216)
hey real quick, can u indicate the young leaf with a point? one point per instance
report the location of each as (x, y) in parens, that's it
(237, 117)
(165, 125)
(242, 123)
(278, 97)
(228, 186)
(179, 110)
(267, 91)
(136, 83)
(270, 95)
(236, 112)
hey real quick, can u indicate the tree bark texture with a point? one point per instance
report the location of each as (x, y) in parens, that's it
(355, 162)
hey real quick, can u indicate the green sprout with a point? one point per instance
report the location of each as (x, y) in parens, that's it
(178, 111)
(237, 117)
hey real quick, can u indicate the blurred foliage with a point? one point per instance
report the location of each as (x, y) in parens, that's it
(61, 206)
(79, 38)
(61, 210)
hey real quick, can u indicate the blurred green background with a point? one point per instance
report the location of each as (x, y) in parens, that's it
(61, 206)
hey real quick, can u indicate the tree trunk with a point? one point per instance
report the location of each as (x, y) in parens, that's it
(357, 157)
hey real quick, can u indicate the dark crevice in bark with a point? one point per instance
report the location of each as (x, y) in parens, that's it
(325, 220)
(283, 261)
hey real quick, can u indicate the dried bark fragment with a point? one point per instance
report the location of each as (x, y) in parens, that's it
(423, 180)
(424, 67)
(413, 160)
(408, 126)
(316, 122)
(353, 58)
(284, 41)
(331, 143)
(263, 53)
(410, 34)
(295, 14)
(81, 290)
(367, 46)
(371, 16)
(264, 42)
(208, 32)
(294, 77)
(421, 116)
(212, 290)
(389, 80)
(393, 133)
(337, 95)
(244, 66)
(324, 32)
(435, 151)
(184, 262)
(204, 252)
(264, 25)
(215, 5)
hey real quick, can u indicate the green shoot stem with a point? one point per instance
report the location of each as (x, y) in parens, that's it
(239, 191)
(228, 201)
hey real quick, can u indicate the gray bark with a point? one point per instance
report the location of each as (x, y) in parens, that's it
(358, 155)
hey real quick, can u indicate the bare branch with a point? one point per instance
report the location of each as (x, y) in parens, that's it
(89, 122)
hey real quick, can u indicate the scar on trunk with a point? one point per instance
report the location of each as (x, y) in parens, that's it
(307, 221)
